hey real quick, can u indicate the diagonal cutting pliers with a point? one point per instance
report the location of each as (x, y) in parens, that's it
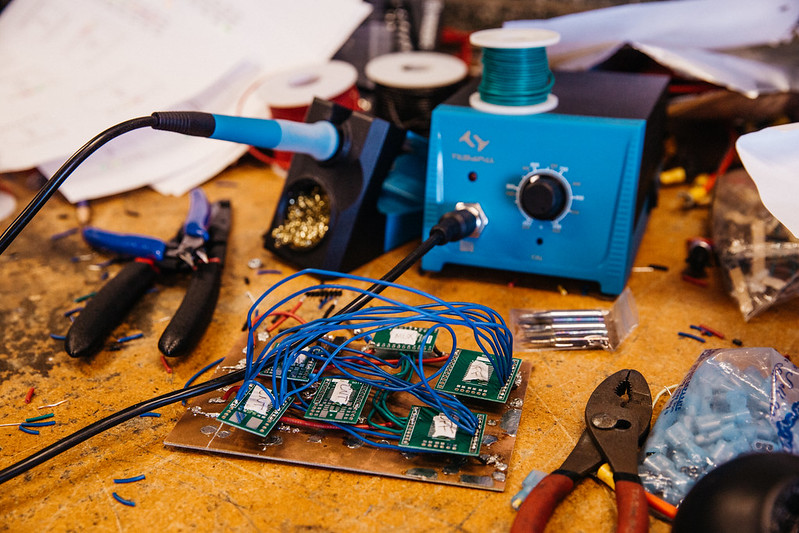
(617, 418)
(198, 248)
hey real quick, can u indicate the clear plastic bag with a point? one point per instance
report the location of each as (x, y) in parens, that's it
(758, 255)
(731, 402)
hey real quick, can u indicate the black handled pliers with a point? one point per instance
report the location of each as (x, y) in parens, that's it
(617, 418)
(198, 248)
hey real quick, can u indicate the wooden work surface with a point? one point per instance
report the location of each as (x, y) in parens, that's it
(187, 490)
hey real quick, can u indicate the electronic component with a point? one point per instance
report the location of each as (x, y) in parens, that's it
(255, 412)
(431, 431)
(344, 414)
(407, 339)
(566, 193)
(192, 432)
(300, 370)
(339, 400)
(470, 373)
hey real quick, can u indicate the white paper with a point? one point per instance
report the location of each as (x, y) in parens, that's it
(169, 162)
(69, 70)
(693, 37)
(771, 157)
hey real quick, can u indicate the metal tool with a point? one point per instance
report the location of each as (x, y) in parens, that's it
(564, 329)
(617, 418)
(199, 248)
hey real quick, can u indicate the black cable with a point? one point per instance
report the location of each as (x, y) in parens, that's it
(115, 419)
(453, 226)
(49, 188)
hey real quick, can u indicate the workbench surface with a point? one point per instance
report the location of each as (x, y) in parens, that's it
(188, 490)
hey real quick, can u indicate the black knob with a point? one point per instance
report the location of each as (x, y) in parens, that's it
(543, 197)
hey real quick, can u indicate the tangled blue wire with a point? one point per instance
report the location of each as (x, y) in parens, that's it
(313, 340)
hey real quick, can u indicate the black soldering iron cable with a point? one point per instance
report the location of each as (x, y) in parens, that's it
(64, 172)
(194, 123)
(453, 226)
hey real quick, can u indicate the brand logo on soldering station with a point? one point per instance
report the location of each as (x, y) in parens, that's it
(473, 141)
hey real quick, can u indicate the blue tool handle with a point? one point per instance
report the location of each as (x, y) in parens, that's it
(320, 140)
(106, 309)
(125, 244)
(199, 210)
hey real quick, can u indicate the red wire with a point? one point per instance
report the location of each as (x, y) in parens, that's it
(283, 316)
(726, 161)
(230, 391)
(712, 331)
(29, 395)
(695, 281)
(166, 365)
(310, 424)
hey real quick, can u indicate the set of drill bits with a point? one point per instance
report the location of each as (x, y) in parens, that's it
(574, 329)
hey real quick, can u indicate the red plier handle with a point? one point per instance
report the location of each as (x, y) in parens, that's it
(632, 507)
(538, 506)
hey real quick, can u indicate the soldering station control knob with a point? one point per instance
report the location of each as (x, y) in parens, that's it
(544, 195)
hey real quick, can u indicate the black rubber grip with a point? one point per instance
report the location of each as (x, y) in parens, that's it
(105, 310)
(185, 122)
(455, 225)
(195, 311)
(197, 308)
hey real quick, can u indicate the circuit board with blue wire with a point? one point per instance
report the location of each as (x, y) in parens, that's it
(386, 390)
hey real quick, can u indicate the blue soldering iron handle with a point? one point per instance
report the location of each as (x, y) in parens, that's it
(321, 140)
(106, 309)
(196, 223)
(126, 244)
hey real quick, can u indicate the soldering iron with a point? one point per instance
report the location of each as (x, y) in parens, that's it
(321, 140)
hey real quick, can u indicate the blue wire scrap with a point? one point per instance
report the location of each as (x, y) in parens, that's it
(311, 340)
(120, 499)
(129, 479)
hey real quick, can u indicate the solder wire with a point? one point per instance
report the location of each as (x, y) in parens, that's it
(515, 76)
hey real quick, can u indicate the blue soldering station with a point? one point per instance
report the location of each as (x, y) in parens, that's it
(564, 182)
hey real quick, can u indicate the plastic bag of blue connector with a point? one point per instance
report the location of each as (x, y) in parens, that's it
(731, 402)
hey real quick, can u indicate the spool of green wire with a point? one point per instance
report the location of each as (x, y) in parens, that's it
(516, 76)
